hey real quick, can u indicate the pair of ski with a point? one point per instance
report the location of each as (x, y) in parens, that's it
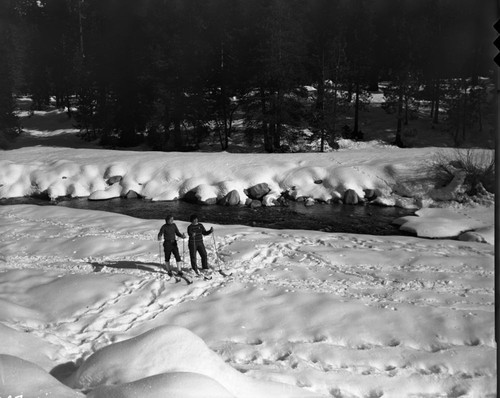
(178, 276)
(208, 276)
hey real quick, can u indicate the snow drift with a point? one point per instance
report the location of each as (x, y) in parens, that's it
(20, 378)
(172, 385)
(170, 349)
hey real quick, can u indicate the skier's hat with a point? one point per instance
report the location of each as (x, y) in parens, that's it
(193, 217)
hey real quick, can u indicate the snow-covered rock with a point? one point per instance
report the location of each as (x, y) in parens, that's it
(114, 191)
(154, 176)
(450, 191)
(483, 235)
(439, 223)
(350, 197)
(232, 198)
(258, 191)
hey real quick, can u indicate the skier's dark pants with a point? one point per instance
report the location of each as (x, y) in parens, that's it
(170, 247)
(200, 248)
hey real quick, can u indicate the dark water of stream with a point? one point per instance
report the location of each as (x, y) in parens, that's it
(361, 219)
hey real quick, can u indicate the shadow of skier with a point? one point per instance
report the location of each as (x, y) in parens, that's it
(151, 267)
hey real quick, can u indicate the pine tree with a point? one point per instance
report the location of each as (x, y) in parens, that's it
(278, 71)
(360, 37)
(9, 127)
(327, 67)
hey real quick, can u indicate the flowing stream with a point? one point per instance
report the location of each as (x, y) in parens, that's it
(362, 219)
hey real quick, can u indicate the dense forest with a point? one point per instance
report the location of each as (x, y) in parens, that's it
(172, 73)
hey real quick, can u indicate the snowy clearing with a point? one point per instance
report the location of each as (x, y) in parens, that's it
(334, 315)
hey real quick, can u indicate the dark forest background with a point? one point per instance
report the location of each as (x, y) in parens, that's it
(172, 73)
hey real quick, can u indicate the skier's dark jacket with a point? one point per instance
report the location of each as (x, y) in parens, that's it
(169, 231)
(196, 232)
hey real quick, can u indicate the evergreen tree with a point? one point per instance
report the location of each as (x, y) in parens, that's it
(8, 121)
(278, 71)
(401, 63)
(227, 81)
(62, 34)
(360, 36)
(179, 71)
(327, 65)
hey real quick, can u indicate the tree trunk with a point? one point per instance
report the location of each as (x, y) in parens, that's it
(398, 141)
(479, 113)
(320, 103)
(177, 119)
(373, 81)
(80, 25)
(225, 143)
(349, 91)
(68, 106)
(464, 110)
(268, 145)
(320, 99)
(437, 94)
(277, 120)
(177, 132)
(334, 116)
(226, 135)
(355, 132)
(433, 100)
(406, 110)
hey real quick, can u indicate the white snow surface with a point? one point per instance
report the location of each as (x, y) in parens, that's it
(85, 311)
(167, 176)
(447, 223)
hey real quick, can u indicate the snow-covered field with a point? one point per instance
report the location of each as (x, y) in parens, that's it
(335, 314)
(85, 309)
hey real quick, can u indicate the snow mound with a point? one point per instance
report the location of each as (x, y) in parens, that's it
(443, 223)
(483, 235)
(26, 346)
(25, 379)
(167, 349)
(105, 174)
(111, 192)
(347, 144)
(172, 385)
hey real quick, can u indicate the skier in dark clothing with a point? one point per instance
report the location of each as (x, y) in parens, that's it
(195, 232)
(169, 231)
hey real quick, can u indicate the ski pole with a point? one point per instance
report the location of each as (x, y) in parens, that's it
(183, 251)
(215, 250)
(194, 254)
(159, 249)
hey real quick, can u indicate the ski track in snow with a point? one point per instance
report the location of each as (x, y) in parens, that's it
(369, 275)
(354, 282)
(279, 261)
